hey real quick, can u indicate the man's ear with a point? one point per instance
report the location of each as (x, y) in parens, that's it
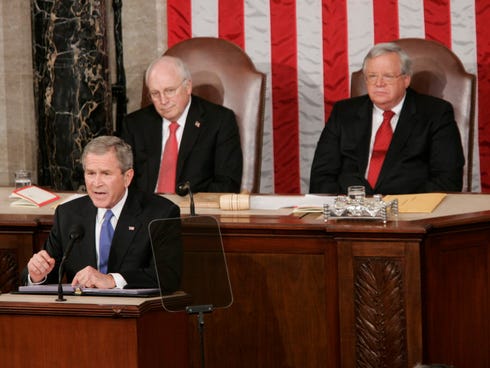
(128, 177)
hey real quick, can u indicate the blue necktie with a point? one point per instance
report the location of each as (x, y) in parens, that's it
(106, 234)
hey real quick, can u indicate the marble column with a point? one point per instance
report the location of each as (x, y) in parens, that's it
(72, 85)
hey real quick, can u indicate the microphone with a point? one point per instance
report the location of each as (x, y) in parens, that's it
(76, 233)
(182, 190)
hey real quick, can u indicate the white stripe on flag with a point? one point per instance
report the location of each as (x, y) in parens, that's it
(463, 30)
(310, 84)
(257, 46)
(204, 18)
(411, 18)
(360, 31)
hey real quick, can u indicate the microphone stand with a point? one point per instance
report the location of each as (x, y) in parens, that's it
(200, 310)
(192, 207)
(76, 234)
(182, 190)
(60, 284)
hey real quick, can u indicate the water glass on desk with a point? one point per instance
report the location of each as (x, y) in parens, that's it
(22, 178)
(356, 193)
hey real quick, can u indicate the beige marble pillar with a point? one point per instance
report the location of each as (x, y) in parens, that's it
(144, 39)
(18, 131)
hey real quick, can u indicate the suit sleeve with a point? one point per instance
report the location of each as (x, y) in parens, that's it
(446, 154)
(163, 268)
(228, 160)
(326, 164)
(53, 246)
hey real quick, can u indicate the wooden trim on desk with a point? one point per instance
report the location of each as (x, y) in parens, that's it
(100, 307)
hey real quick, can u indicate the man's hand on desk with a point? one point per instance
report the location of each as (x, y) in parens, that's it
(89, 277)
(40, 265)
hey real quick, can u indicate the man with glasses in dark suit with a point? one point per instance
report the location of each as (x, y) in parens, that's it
(181, 137)
(392, 140)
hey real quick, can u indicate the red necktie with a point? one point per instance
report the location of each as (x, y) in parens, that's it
(168, 166)
(380, 147)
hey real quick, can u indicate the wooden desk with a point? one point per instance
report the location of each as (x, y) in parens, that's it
(350, 293)
(37, 331)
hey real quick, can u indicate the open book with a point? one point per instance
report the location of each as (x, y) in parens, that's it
(32, 196)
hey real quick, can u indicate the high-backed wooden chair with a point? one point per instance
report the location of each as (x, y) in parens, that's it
(437, 71)
(224, 74)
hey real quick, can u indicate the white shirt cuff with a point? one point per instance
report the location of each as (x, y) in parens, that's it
(29, 281)
(119, 280)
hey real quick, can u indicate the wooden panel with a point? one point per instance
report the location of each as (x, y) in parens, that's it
(285, 310)
(457, 323)
(86, 344)
(154, 340)
(15, 250)
(380, 305)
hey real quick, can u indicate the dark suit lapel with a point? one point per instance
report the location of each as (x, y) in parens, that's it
(363, 133)
(127, 226)
(402, 133)
(193, 126)
(85, 251)
(154, 138)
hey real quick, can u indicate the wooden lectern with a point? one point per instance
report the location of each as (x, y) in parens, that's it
(86, 331)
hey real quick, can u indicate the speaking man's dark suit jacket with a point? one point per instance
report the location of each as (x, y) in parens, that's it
(131, 253)
(425, 154)
(210, 155)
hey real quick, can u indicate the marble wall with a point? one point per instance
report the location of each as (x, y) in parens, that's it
(71, 84)
(144, 38)
(18, 130)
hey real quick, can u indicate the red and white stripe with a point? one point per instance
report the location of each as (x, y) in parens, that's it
(309, 48)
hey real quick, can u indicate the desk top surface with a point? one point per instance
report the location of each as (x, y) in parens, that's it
(453, 204)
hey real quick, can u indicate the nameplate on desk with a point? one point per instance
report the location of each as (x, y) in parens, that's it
(70, 290)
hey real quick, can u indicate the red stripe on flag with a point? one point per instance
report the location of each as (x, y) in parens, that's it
(335, 57)
(284, 72)
(179, 25)
(231, 21)
(385, 13)
(437, 16)
(483, 60)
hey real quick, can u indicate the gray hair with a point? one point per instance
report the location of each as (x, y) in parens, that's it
(386, 48)
(107, 143)
(177, 63)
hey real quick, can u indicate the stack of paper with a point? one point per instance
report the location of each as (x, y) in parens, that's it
(32, 196)
(416, 203)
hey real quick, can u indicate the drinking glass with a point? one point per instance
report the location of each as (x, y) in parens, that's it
(22, 178)
(356, 193)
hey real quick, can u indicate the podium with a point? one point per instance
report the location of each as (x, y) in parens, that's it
(87, 331)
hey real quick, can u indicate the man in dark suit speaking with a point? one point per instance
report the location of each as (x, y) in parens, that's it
(181, 137)
(392, 140)
(124, 258)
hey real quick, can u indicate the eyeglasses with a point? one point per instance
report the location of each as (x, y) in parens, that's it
(167, 92)
(385, 78)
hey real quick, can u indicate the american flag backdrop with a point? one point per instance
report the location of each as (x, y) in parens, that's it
(309, 48)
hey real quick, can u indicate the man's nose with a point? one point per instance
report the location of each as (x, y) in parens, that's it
(98, 179)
